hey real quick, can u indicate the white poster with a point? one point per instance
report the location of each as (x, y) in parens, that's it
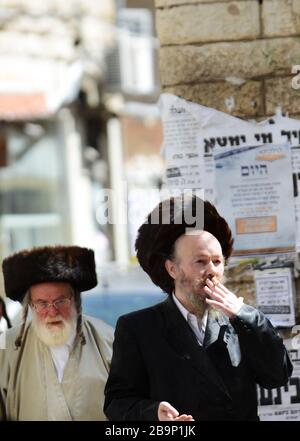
(255, 195)
(224, 136)
(296, 184)
(283, 403)
(275, 290)
(277, 130)
(184, 158)
(239, 134)
(291, 131)
(186, 165)
(288, 130)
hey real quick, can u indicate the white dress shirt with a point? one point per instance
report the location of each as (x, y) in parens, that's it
(60, 356)
(3, 325)
(198, 326)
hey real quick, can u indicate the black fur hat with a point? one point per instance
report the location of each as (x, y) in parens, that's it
(72, 264)
(166, 223)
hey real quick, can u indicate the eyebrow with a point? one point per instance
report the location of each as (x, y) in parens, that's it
(209, 255)
(47, 301)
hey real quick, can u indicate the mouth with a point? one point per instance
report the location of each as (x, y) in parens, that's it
(55, 323)
(202, 283)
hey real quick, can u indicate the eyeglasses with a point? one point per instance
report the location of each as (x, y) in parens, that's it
(59, 304)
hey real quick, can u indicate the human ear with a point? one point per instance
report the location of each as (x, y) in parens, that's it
(171, 268)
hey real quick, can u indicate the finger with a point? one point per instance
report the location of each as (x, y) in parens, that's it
(217, 305)
(213, 294)
(181, 417)
(184, 417)
(168, 409)
(226, 301)
(215, 281)
(229, 309)
(190, 418)
(215, 288)
(220, 285)
(169, 416)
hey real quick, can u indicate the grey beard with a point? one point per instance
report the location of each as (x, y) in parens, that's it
(197, 303)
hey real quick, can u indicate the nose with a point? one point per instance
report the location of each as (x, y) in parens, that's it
(52, 311)
(211, 270)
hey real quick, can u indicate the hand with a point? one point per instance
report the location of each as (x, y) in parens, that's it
(222, 299)
(166, 412)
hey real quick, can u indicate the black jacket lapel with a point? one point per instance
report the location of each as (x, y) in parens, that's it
(182, 339)
(214, 323)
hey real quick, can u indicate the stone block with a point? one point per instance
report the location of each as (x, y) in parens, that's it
(281, 17)
(235, 60)
(208, 22)
(279, 92)
(244, 100)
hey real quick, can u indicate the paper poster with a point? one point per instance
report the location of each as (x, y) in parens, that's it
(184, 158)
(184, 155)
(276, 130)
(275, 290)
(255, 195)
(294, 138)
(288, 130)
(222, 136)
(283, 403)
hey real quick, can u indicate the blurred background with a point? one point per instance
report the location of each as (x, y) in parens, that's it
(79, 84)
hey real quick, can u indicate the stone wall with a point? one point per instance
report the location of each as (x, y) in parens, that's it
(215, 52)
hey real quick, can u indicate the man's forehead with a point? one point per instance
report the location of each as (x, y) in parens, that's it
(199, 241)
(50, 288)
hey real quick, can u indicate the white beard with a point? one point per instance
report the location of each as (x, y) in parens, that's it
(55, 335)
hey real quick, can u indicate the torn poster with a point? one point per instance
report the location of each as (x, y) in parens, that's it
(255, 195)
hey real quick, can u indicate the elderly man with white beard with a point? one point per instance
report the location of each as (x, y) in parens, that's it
(55, 366)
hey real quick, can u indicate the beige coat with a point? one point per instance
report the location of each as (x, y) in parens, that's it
(30, 390)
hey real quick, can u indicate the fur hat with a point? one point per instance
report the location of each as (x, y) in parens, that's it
(156, 237)
(74, 265)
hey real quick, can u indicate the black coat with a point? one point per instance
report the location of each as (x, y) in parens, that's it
(156, 357)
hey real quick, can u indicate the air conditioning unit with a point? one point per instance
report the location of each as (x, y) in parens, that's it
(131, 62)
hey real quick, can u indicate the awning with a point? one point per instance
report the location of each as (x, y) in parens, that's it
(23, 107)
(36, 88)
